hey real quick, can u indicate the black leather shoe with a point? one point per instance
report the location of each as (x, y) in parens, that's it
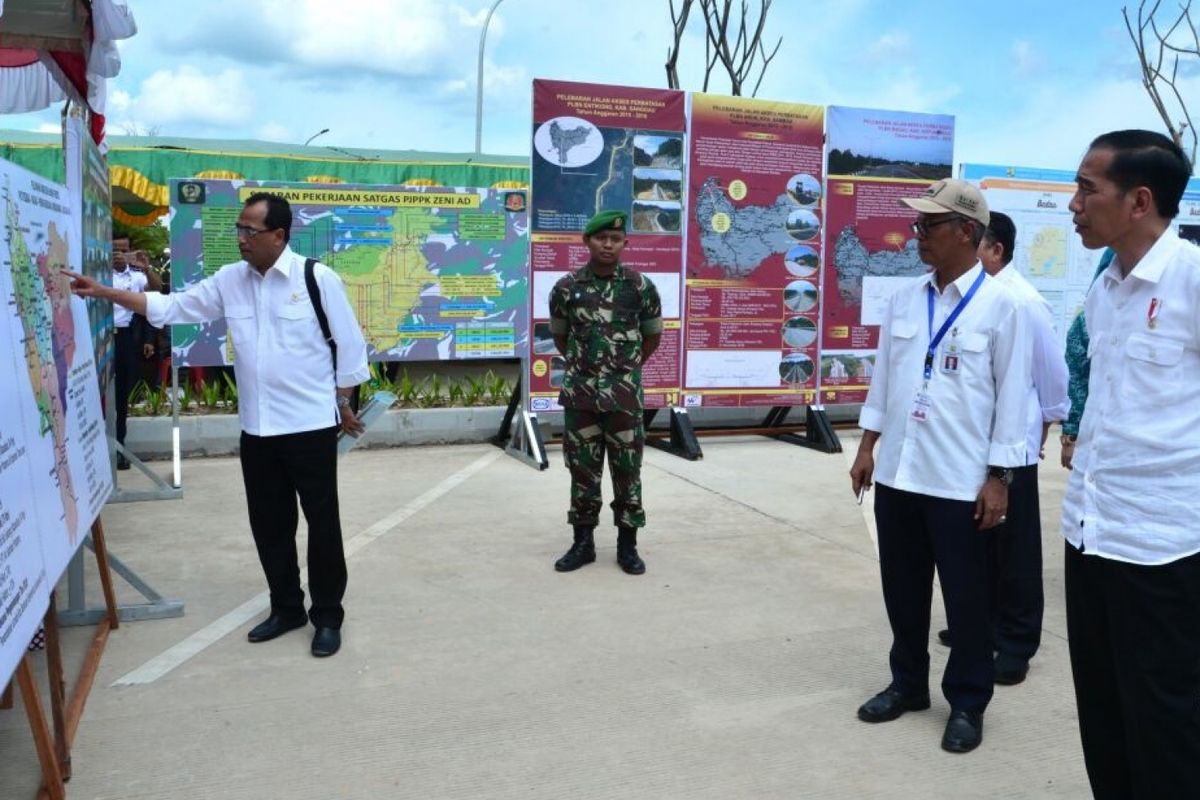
(890, 704)
(326, 642)
(944, 637)
(1010, 671)
(122, 463)
(964, 731)
(583, 551)
(275, 625)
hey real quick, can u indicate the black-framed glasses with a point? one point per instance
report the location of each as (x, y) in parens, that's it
(248, 232)
(922, 228)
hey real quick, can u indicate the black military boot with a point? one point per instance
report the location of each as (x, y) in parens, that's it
(582, 552)
(627, 554)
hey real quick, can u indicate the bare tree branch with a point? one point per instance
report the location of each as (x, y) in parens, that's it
(679, 21)
(1155, 43)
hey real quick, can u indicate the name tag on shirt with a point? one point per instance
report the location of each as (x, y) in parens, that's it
(951, 358)
(922, 406)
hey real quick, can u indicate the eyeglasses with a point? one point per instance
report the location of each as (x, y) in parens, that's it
(248, 232)
(922, 228)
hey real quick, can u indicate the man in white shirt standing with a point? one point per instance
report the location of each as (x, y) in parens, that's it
(130, 272)
(1131, 516)
(1018, 601)
(293, 394)
(947, 405)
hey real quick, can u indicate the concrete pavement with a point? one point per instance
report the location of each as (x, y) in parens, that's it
(470, 669)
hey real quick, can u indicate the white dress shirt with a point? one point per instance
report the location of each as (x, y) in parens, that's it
(977, 414)
(283, 365)
(130, 280)
(1132, 495)
(1048, 399)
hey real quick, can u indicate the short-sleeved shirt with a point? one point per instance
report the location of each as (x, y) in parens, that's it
(604, 320)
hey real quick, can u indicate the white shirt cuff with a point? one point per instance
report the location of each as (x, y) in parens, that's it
(1006, 455)
(156, 308)
(870, 419)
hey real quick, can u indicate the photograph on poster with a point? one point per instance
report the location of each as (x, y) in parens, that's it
(802, 261)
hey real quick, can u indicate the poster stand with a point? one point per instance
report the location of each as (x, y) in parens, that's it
(163, 490)
(681, 437)
(520, 435)
(816, 433)
(53, 742)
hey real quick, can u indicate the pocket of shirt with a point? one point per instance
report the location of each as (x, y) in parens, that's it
(1151, 369)
(240, 322)
(297, 325)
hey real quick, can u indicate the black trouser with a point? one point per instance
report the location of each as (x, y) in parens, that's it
(1134, 636)
(916, 533)
(1016, 569)
(126, 354)
(276, 469)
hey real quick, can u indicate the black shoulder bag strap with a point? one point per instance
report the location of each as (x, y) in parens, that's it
(314, 294)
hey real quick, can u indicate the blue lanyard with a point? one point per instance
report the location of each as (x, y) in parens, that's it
(934, 341)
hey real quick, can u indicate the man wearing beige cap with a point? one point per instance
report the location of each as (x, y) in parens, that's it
(947, 406)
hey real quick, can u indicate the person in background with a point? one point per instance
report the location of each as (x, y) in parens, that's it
(1079, 367)
(131, 272)
(1018, 601)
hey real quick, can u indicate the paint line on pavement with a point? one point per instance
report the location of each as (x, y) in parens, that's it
(213, 632)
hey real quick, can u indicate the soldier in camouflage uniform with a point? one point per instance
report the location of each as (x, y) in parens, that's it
(606, 320)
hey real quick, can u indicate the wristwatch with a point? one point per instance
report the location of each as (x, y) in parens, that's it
(1002, 474)
(343, 401)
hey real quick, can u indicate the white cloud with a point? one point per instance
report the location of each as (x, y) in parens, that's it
(48, 127)
(184, 95)
(891, 46)
(274, 132)
(1026, 61)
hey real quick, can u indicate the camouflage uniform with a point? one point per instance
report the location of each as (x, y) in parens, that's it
(604, 320)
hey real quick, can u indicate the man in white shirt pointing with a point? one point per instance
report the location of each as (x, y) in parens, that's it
(947, 406)
(1130, 514)
(293, 395)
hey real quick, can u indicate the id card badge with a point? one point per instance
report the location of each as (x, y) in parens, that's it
(922, 406)
(951, 358)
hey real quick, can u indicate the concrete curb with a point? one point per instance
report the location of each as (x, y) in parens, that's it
(219, 434)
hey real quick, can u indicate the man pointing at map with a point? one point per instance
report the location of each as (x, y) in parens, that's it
(294, 390)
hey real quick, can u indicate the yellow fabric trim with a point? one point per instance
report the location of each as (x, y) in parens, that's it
(138, 220)
(219, 175)
(130, 179)
(510, 185)
(421, 182)
(324, 179)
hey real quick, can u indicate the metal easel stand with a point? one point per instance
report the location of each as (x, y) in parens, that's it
(156, 607)
(681, 439)
(818, 432)
(520, 435)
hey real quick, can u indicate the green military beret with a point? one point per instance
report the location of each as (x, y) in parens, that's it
(605, 220)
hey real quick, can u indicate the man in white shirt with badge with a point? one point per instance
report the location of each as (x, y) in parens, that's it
(1131, 513)
(1018, 601)
(947, 405)
(294, 391)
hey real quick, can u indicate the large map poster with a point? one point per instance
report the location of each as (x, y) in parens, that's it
(601, 148)
(433, 273)
(1188, 222)
(91, 247)
(875, 158)
(1048, 250)
(54, 463)
(753, 274)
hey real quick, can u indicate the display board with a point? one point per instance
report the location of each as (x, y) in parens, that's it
(599, 148)
(433, 273)
(875, 158)
(54, 462)
(752, 286)
(91, 239)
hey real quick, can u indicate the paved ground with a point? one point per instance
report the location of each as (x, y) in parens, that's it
(471, 669)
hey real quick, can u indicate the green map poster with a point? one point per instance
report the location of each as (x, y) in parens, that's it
(433, 273)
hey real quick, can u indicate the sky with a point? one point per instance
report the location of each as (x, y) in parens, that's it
(1029, 82)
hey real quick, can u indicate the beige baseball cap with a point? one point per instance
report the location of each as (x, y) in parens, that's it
(951, 195)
